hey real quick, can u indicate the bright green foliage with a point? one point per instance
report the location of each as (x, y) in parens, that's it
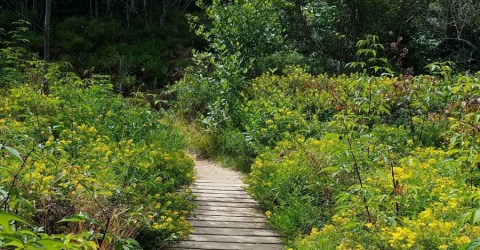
(357, 162)
(16, 233)
(368, 52)
(277, 108)
(251, 27)
(86, 166)
(12, 53)
(240, 32)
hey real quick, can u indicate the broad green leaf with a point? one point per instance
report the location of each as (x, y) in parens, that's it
(75, 218)
(475, 216)
(7, 217)
(17, 244)
(474, 245)
(26, 232)
(12, 240)
(49, 244)
(14, 152)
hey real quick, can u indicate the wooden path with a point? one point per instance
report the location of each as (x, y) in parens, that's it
(226, 216)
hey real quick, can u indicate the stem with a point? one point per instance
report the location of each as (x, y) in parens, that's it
(370, 122)
(409, 106)
(104, 212)
(72, 154)
(14, 180)
(105, 233)
(359, 177)
(422, 128)
(395, 186)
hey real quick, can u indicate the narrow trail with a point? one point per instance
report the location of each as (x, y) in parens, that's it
(226, 216)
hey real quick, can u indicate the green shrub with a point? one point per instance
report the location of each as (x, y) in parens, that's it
(369, 162)
(85, 164)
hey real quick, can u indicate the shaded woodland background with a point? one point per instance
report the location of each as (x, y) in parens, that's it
(147, 43)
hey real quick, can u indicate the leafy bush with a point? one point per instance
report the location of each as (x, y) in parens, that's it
(240, 32)
(85, 168)
(367, 162)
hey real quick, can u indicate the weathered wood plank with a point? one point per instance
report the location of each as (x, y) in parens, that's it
(223, 224)
(231, 212)
(229, 246)
(204, 181)
(217, 208)
(228, 218)
(223, 195)
(203, 188)
(226, 204)
(210, 191)
(233, 231)
(235, 239)
(226, 199)
(216, 184)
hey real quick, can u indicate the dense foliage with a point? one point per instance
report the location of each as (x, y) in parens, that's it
(362, 162)
(358, 162)
(322, 34)
(147, 43)
(81, 167)
(382, 158)
(342, 162)
(143, 45)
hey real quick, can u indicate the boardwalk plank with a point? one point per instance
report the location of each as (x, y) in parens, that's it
(236, 239)
(210, 191)
(232, 213)
(230, 209)
(223, 224)
(197, 184)
(226, 204)
(229, 246)
(233, 231)
(223, 195)
(203, 188)
(226, 199)
(200, 181)
(228, 218)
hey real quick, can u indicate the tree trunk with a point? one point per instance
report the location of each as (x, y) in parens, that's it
(46, 27)
(46, 49)
(145, 11)
(96, 8)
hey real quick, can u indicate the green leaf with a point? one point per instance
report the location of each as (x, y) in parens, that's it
(26, 232)
(350, 225)
(7, 217)
(75, 218)
(475, 216)
(17, 244)
(12, 239)
(474, 244)
(13, 152)
(49, 244)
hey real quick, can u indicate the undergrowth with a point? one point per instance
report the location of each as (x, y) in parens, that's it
(80, 166)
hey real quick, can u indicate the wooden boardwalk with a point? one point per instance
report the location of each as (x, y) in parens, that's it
(226, 216)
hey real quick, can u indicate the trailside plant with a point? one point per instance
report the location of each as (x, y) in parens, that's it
(368, 54)
(380, 163)
(83, 168)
